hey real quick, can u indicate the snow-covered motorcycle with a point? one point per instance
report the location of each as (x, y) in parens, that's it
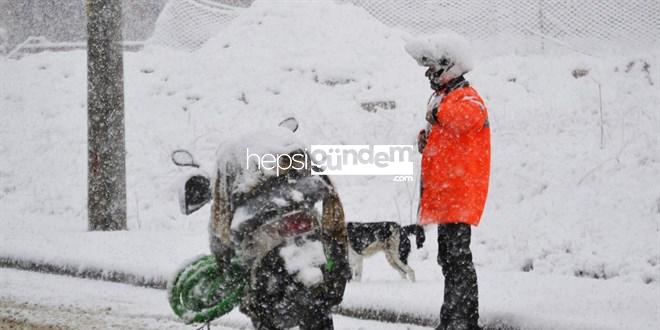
(277, 237)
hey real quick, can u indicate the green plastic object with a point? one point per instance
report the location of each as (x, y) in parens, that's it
(202, 292)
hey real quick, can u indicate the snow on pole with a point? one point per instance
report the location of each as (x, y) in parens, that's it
(106, 150)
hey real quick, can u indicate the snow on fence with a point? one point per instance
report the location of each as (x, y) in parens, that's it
(33, 45)
(501, 26)
(187, 24)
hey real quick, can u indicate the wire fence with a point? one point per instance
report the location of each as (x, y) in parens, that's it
(502, 26)
(499, 26)
(530, 25)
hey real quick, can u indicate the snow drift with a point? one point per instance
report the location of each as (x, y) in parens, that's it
(564, 199)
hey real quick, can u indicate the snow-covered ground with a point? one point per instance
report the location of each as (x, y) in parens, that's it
(561, 203)
(516, 300)
(507, 299)
(40, 301)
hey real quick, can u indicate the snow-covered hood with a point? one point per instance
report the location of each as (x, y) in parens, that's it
(435, 47)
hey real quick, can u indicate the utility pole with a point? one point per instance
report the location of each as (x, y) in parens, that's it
(106, 150)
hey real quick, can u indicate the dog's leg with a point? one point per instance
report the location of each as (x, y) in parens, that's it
(392, 257)
(404, 252)
(405, 270)
(392, 260)
(393, 253)
(358, 269)
(410, 272)
(355, 261)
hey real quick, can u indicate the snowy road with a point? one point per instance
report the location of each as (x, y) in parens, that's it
(15, 314)
(38, 301)
(30, 300)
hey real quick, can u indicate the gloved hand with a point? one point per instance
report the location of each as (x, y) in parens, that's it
(432, 115)
(421, 140)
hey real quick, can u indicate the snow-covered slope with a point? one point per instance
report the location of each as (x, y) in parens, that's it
(559, 202)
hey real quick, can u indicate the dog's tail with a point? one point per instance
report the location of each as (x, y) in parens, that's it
(418, 230)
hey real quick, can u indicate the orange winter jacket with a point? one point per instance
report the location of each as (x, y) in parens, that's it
(456, 161)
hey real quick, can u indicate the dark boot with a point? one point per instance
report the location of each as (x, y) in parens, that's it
(318, 322)
(460, 308)
(458, 325)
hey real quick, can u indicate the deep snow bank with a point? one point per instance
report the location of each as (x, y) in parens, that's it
(559, 203)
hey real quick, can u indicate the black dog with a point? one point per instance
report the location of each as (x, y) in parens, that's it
(365, 239)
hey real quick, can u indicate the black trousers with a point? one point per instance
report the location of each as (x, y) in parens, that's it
(460, 308)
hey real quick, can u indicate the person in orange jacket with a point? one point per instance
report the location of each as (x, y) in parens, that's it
(455, 149)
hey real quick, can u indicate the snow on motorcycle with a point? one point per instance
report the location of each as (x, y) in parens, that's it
(277, 235)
